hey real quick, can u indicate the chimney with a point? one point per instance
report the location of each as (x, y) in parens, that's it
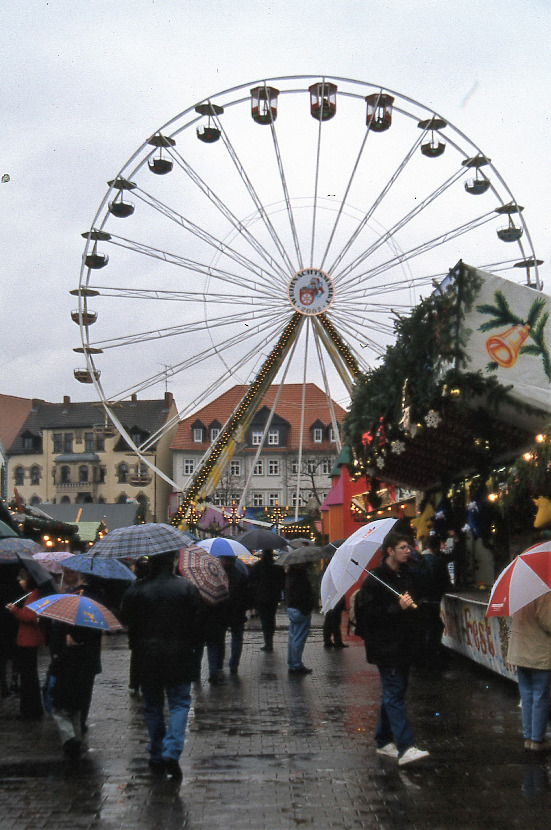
(168, 399)
(134, 397)
(66, 400)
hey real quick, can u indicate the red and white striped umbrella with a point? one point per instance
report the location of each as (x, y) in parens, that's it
(525, 579)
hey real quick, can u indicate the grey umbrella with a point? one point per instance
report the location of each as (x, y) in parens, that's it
(261, 539)
(309, 553)
(131, 542)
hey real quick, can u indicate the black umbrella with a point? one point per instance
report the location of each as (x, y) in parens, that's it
(331, 547)
(261, 539)
(309, 553)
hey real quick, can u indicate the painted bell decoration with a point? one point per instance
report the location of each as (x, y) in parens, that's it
(504, 348)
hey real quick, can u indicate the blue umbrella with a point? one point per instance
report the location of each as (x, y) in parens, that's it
(83, 563)
(76, 610)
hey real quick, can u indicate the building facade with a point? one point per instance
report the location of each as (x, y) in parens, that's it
(277, 475)
(68, 453)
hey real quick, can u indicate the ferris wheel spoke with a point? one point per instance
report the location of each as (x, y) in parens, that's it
(199, 267)
(285, 191)
(151, 294)
(398, 226)
(316, 185)
(239, 226)
(363, 338)
(424, 247)
(376, 204)
(206, 355)
(254, 196)
(203, 235)
(329, 399)
(364, 291)
(362, 322)
(186, 328)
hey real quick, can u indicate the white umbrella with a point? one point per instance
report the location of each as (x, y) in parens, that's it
(351, 559)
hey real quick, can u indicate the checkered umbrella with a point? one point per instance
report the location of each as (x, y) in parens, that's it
(206, 572)
(76, 610)
(139, 540)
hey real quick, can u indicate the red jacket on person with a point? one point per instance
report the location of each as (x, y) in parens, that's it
(30, 633)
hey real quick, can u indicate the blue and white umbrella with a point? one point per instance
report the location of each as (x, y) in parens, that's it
(221, 546)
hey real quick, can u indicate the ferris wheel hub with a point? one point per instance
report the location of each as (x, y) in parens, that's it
(311, 291)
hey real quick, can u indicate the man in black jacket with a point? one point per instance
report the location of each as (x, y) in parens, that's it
(163, 615)
(299, 597)
(386, 618)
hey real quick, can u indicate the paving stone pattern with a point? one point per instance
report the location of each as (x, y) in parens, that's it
(267, 751)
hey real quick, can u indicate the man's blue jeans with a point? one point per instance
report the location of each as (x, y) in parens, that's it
(166, 741)
(533, 686)
(299, 626)
(393, 726)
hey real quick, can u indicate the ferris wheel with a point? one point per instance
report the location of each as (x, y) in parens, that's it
(272, 232)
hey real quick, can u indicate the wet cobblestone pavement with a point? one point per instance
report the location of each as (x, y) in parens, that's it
(268, 751)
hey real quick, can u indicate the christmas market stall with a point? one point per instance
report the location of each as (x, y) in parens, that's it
(459, 413)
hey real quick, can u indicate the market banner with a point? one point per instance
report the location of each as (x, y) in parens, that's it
(509, 337)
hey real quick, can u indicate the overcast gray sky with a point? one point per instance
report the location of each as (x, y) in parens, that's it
(83, 85)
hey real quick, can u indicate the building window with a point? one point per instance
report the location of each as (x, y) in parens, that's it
(197, 435)
(273, 499)
(258, 468)
(256, 438)
(99, 475)
(311, 465)
(258, 499)
(65, 474)
(35, 475)
(294, 465)
(318, 435)
(216, 498)
(332, 435)
(136, 437)
(189, 466)
(214, 433)
(142, 470)
(68, 442)
(65, 500)
(122, 499)
(122, 473)
(19, 476)
(35, 500)
(235, 468)
(100, 443)
(58, 442)
(28, 442)
(273, 467)
(300, 500)
(83, 474)
(325, 467)
(88, 442)
(273, 437)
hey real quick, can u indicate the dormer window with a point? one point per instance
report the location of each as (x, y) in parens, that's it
(214, 433)
(317, 435)
(273, 438)
(197, 435)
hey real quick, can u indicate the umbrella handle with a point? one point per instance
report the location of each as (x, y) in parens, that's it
(413, 605)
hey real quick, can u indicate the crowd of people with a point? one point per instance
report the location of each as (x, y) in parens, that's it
(396, 611)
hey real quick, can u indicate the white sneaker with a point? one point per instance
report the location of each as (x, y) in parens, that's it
(389, 750)
(412, 754)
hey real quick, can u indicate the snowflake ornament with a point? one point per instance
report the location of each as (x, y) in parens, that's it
(398, 447)
(380, 462)
(432, 419)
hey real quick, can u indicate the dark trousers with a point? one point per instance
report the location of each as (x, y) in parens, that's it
(332, 628)
(30, 699)
(267, 613)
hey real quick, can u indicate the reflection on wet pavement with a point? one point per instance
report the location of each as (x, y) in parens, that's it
(265, 750)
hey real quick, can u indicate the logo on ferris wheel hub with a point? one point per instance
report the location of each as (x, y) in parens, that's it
(311, 291)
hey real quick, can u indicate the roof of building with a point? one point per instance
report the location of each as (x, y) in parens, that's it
(13, 412)
(147, 415)
(114, 515)
(288, 408)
